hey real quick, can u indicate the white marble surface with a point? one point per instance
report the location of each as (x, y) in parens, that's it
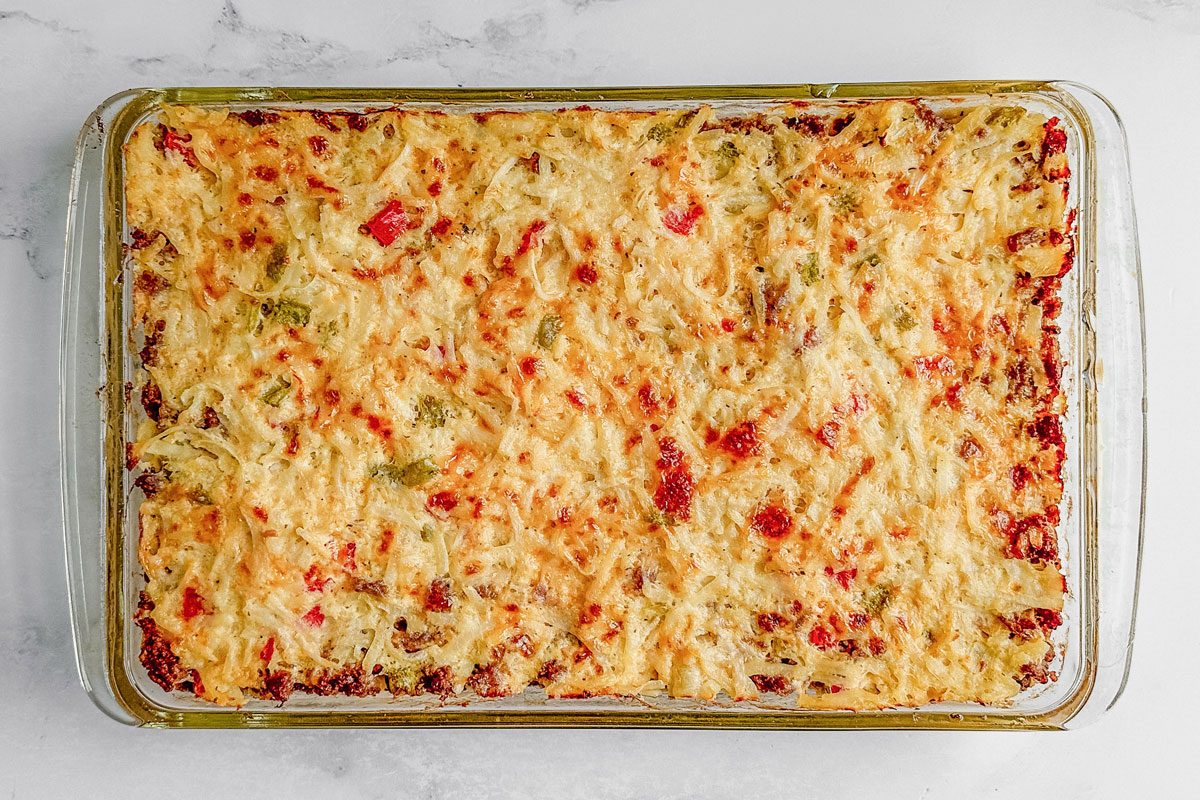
(59, 59)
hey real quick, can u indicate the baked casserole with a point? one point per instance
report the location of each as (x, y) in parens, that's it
(607, 402)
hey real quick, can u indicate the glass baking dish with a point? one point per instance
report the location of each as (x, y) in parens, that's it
(1102, 512)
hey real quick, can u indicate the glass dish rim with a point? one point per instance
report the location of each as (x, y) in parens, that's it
(133, 704)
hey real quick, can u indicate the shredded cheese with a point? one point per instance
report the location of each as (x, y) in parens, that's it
(610, 402)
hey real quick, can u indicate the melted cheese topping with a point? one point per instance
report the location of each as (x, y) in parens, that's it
(610, 402)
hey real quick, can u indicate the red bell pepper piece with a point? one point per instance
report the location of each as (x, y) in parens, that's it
(391, 221)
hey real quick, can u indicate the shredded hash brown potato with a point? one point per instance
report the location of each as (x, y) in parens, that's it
(609, 402)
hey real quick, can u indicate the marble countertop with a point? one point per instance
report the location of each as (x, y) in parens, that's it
(59, 59)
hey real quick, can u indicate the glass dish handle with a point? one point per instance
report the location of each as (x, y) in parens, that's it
(81, 410)
(1118, 384)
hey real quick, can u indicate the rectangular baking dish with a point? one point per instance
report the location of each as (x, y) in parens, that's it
(1103, 348)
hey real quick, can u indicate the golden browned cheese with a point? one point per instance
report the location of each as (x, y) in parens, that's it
(615, 403)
